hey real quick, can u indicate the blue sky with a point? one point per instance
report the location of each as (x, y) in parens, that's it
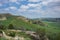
(31, 8)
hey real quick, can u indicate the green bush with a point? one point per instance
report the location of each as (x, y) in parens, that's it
(10, 26)
(12, 34)
(41, 32)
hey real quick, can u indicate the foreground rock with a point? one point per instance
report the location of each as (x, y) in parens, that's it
(31, 34)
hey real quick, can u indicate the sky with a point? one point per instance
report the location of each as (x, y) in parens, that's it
(31, 8)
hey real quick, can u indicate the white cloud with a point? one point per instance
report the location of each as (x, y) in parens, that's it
(55, 9)
(49, 12)
(33, 5)
(46, 2)
(12, 0)
(13, 8)
(34, 0)
(23, 8)
(22, 0)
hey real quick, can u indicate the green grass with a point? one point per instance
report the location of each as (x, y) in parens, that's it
(53, 26)
(52, 30)
(2, 38)
(19, 23)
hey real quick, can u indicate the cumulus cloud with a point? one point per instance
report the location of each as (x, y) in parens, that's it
(38, 9)
(12, 0)
(34, 0)
(33, 5)
(29, 6)
(23, 8)
(13, 8)
(46, 2)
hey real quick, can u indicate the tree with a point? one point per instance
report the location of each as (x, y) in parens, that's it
(10, 26)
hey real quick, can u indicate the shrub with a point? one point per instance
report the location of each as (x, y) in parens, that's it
(41, 32)
(10, 26)
(12, 34)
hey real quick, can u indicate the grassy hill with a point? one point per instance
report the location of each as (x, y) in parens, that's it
(11, 19)
(52, 28)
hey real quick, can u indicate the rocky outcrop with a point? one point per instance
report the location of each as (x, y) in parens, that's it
(3, 18)
(35, 36)
(12, 38)
(31, 34)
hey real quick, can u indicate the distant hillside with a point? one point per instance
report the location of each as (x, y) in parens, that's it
(48, 19)
(51, 19)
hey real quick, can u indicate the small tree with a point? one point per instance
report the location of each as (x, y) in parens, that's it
(10, 26)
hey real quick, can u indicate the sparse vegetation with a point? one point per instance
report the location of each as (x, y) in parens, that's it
(2, 38)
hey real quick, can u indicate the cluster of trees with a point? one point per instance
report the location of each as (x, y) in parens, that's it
(37, 22)
(11, 26)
